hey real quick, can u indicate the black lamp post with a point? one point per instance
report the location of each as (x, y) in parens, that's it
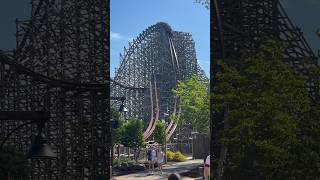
(193, 137)
(39, 148)
(122, 108)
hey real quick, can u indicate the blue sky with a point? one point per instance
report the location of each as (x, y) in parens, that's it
(306, 15)
(128, 18)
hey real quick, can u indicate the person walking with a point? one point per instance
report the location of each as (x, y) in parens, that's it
(153, 158)
(207, 168)
(149, 158)
(160, 158)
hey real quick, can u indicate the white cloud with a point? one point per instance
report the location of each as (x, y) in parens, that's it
(115, 36)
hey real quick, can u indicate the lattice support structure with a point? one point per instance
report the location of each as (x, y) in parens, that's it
(158, 54)
(61, 66)
(245, 25)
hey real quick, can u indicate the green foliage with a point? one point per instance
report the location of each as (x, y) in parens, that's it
(170, 155)
(14, 163)
(131, 134)
(116, 130)
(115, 116)
(159, 132)
(206, 3)
(179, 157)
(174, 118)
(271, 133)
(122, 160)
(175, 156)
(194, 102)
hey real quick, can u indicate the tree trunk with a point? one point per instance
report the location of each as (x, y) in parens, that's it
(118, 151)
(135, 155)
(128, 152)
(138, 154)
(221, 163)
(112, 154)
(223, 150)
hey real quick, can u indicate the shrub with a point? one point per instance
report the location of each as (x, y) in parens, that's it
(13, 162)
(170, 155)
(122, 161)
(176, 156)
(179, 157)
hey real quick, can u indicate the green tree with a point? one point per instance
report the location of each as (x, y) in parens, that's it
(131, 135)
(159, 132)
(194, 103)
(116, 124)
(13, 164)
(206, 3)
(267, 108)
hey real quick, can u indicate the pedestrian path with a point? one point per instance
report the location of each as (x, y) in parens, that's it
(168, 169)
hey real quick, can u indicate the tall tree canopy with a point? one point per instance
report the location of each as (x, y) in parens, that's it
(159, 132)
(131, 133)
(273, 127)
(194, 102)
(13, 164)
(116, 124)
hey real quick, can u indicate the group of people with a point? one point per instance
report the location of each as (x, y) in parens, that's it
(155, 155)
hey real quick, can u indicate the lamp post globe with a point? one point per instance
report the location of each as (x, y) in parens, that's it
(40, 148)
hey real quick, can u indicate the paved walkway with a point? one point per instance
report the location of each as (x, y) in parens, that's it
(167, 170)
